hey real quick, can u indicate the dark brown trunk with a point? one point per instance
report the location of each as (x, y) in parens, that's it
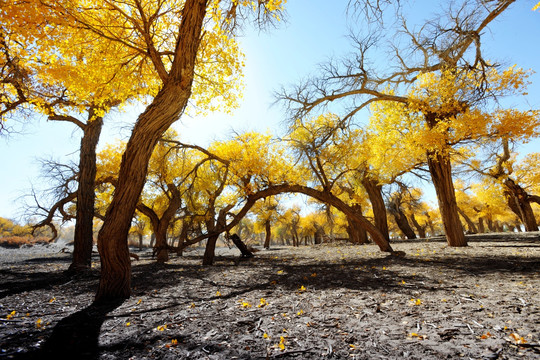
(470, 224)
(241, 246)
(490, 226)
(400, 218)
(518, 201)
(374, 191)
(84, 225)
(268, 236)
(419, 228)
(357, 235)
(319, 233)
(209, 250)
(440, 169)
(481, 226)
(166, 108)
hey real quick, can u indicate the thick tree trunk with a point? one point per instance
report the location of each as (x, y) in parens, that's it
(268, 232)
(518, 200)
(161, 249)
(84, 224)
(440, 169)
(374, 191)
(210, 250)
(166, 108)
(357, 235)
(481, 226)
(319, 233)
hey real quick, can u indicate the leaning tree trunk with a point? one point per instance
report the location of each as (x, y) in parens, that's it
(470, 224)
(440, 169)
(166, 108)
(518, 201)
(401, 219)
(374, 191)
(419, 228)
(84, 225)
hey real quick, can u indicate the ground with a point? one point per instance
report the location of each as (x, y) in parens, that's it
(326, 301)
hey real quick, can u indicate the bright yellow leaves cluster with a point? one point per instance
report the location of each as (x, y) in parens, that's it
(255, 160)
(446, 108)
(100, 54)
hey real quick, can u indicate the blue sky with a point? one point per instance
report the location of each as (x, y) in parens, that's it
(316, 30)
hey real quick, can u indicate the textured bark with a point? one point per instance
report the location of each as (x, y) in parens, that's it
(165, 109)
(374, 191)
(268, 232)
(357, 235)
(401, 219)
(440, 169)
(519, 201)
(84, 224)
(481, 226)
(470, 224)
(160, 225)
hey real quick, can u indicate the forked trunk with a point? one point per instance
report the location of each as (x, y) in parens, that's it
(440, 169)
(165, 109)
(518, 200)
(84, 225)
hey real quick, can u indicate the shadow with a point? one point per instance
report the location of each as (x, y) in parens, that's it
(76, 336)
(40, 280)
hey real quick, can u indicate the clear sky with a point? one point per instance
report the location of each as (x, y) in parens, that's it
(315, 31)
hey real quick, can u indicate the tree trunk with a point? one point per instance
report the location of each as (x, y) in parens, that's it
(470, 224)
(84, 224)
(268, 232)
(357, 235)
(166, 108)
(241, 246)
(518, 200)
(481, 226)
(419, 228)
(400, 218)
(440, 169)
(374, 191)
(210, 250)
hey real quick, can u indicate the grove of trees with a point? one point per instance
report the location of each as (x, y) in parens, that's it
(359, 138)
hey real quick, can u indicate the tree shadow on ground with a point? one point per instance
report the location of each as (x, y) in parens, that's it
(76, 336)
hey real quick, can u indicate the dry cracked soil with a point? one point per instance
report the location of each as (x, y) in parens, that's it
(330, 301)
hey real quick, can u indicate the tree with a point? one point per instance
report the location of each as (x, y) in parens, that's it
(49, 68)
(443, 80)
(165, 40)
(499, 166)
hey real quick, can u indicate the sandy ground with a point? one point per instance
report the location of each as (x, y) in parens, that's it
(318, 302)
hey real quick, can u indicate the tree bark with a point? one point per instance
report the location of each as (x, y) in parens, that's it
(357, 235)
(400, 218)
(374, 191)
(481, 226)
(268, 232)
(84, 224)
(440, 169)
(419, 228)
(165, 109)
(470, 224)
(519, 202)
